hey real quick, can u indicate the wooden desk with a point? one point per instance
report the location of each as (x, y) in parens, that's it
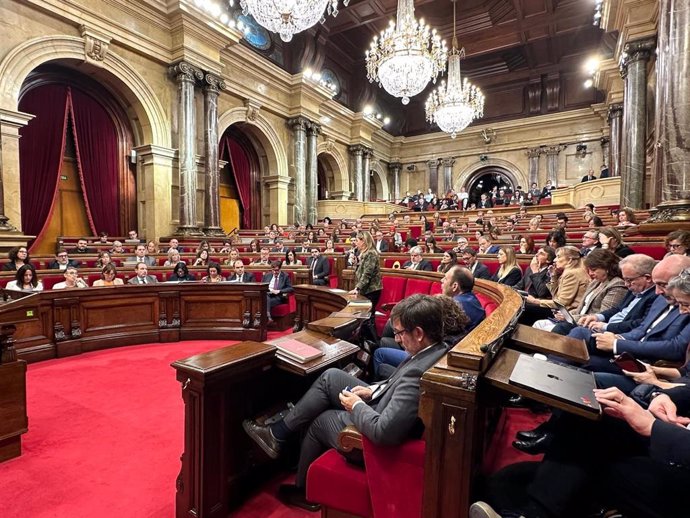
(545, 342)
(316, 306)
(61, 323)
(334, 350)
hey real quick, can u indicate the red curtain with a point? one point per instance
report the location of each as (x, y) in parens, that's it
(96, 141)
(239, 161)
(41, 148)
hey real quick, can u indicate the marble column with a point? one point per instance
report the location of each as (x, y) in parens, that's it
(299, 151)
(212, 87)
(552, 164)
(447, 175)
(313, 132)
(367, 156)
(672, 125)
(433, 175)
(634, 73)
(615, 118)
(186, 76)
(356, 170)
(4, 220)
(394, 168)
(533, 166)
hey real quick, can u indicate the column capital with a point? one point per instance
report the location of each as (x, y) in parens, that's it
(277, 181)
(184, 72)
(314, 128)
(448, 162)
(534, 152)
(432, 164)
(395, 165)
(368, 153)
(298, 123)
(554, 150)
(637, 50)
(357, 149)
(615, 110)
(213, 83)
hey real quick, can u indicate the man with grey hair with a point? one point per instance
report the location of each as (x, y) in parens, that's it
(590, 241)
(636, 271)
(417, 262)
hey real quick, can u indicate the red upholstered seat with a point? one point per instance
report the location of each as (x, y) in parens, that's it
(335, 483)
(51, 280)
(488, 304)
(492, 265)
(655, 251)
(393, 290)
(436, 288)
(390, 487)
(414, 286)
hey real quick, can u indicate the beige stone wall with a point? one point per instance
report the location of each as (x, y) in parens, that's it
(146, 36)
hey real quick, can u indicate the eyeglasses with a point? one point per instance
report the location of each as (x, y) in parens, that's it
(675, 245)
(629, 280)
(398, 332)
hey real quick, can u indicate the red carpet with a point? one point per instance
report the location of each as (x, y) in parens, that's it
(105, 437)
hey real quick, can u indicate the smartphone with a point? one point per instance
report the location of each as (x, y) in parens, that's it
(627, 362)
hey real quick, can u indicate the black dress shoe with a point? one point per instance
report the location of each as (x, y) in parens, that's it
(534, 447)
(517, 401)
(529, 435)
(262, 436)
(290, 494)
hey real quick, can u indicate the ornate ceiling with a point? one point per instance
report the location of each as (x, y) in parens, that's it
(526, 55)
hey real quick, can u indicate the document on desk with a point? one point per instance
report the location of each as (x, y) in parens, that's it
(297, 351)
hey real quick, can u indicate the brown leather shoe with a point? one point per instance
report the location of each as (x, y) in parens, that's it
(262, 436)
(290, 494)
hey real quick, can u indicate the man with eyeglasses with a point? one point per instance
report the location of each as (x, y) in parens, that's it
(664, 333)
(478, 270)
(590, 241)
(279, 286)
(636, 271)
(62, 261)
(386, 412)
(417, 262)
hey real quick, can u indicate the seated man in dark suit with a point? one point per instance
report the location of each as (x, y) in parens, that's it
(638, 467)
(141, 257)
(279, 286)
(536, 276)
(386, 412)
(604, 171)
(381, 244)
(417, 262)
(319, 267)
(589, 176)
(142, 276)
(240, 275)
(62, 261)
(479, 270)
(263, 258)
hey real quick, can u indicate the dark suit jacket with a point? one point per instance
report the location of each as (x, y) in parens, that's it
(485, 204)
(323, 268)
(54, 265)
(481, 271)
(283, 284)
(493, 249)
(668, 442)
(383, 247)
(514, 276)
(423, 265)
(246, 277)
(587, 178)
(148, 260)
(535, 284)
(635, 316)
(391, 417)
(667, 341)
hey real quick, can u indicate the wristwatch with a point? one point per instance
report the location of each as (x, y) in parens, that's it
(654, 394)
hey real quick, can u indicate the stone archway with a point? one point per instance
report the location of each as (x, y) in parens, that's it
(379, 181)
(335, 164)
(273, 162)
(149, 122)
(514, 175)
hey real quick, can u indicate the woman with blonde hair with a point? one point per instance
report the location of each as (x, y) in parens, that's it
(173, 257)
(368, 282)
(509, 272)
(569, 281)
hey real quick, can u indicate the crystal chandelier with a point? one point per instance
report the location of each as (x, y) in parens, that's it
(406, 56)
(455, 105)
(287, 17)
